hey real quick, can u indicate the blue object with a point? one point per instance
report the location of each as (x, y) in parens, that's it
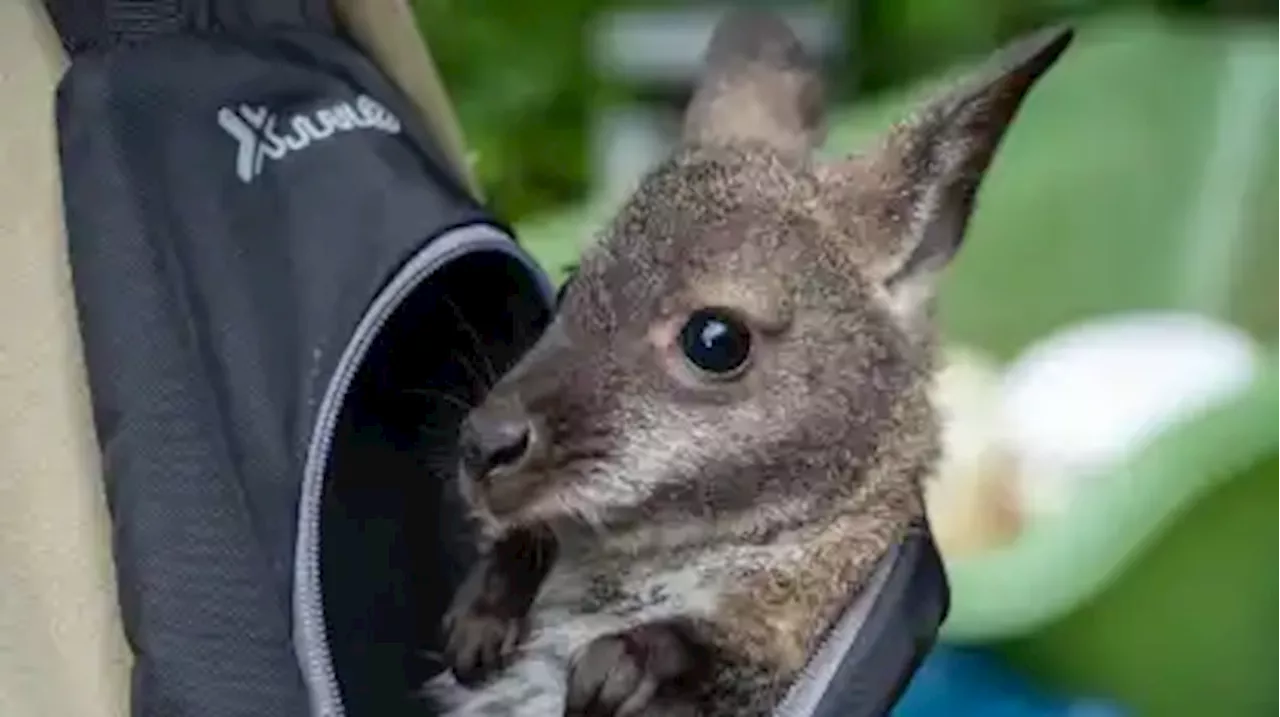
(958, 682)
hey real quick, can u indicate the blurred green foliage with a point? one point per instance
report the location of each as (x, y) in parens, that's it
(521, 78)
(520, 81)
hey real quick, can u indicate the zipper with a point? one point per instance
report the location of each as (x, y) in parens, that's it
(804, 696)
(310, 637)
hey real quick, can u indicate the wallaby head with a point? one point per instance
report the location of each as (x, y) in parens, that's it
(748, 343)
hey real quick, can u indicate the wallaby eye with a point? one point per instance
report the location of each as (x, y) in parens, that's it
(716, 342)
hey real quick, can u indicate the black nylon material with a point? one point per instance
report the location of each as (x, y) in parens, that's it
(87, 25)
(212, 312)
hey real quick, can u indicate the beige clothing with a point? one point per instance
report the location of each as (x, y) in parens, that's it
(62, 651)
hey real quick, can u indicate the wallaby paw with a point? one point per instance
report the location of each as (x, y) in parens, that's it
(481, 636)
(481, 644)
(646, 671)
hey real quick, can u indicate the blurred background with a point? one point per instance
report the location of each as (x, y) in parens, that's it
(542, 89)
(1110, 390)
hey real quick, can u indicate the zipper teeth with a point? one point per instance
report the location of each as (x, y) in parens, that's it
(311, 640)
(816, 676)
(318, 659)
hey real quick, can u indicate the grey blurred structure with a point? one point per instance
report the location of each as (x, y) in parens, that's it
(657, 52)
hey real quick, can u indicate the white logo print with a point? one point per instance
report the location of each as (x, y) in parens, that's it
(261, 137)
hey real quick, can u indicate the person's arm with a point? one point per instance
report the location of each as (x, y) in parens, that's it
(62, 649)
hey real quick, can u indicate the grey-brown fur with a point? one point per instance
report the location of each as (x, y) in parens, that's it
(729, 521)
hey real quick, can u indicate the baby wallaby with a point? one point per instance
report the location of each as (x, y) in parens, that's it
(727, 424)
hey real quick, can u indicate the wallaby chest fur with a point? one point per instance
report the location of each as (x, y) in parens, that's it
(584, 600)
(728, 423)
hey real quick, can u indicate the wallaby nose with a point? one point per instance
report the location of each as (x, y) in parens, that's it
(495, 440)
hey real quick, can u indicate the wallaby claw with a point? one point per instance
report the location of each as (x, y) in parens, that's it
(635, 673)
(481, 642)
(483, 627)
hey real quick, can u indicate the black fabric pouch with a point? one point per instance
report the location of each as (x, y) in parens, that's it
(256, 217)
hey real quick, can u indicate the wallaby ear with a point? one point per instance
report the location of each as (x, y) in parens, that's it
(917, 189)
(757, 84)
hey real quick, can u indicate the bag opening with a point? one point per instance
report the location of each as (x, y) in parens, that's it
(383, 539)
